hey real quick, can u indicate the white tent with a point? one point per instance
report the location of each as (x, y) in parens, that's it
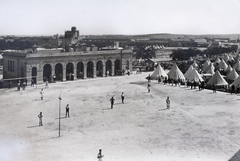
(194, 76)
(158, 72)
(232, 75)
(226, 57)
(206, 64)
(188, 71)
(223, 65)
(229, 69)
(195, 65)
(210, 68)
(175, 73)
(217, 61)
(210, 71)
(217, 79)
(237, 66)
(236, 82)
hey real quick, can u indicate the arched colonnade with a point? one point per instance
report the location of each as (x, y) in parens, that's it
(61, 71)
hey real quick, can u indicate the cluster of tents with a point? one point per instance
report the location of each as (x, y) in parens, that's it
(211, 73)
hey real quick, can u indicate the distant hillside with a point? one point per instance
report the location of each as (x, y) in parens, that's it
(167, 36)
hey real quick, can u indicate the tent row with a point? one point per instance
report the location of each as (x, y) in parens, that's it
(193, 75)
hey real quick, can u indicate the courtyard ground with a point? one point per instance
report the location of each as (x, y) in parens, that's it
(199, 126)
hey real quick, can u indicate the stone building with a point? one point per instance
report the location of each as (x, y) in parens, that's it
(41, 65)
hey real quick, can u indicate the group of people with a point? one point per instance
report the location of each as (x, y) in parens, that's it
(235, 89)
(112, 100)
(40, 116)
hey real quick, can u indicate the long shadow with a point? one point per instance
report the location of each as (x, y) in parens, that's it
(33, 126)
(106, 109)
(118, 103)
(61, 118)
(162, 109)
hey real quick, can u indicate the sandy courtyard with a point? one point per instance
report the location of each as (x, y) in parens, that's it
(200, 126)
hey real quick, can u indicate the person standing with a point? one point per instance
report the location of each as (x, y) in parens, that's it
(18, 86)
(32, 82)
(46, 86)
(100, 155)
(122, 96)
(214, 89)
(67, 110)
(112, 102)
(168, 103)
(148, 86)
(40, 119)
(233, 89)
(41, 93)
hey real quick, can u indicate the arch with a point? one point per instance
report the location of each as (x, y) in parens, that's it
(99, 68)
(34, 75)
(80, 70)
(117, 68)
(127, 65)
(69, 71)
(90, 69)
(108, 67)
(59, 71)
(47, 72)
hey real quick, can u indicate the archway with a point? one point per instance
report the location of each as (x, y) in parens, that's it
(58, 71)
(47, 72)
(127, 65)
(69, 71)
(99, 68)
(117, 67)
(90, 69)
(108, 67)
(34, 75)
(80, 71)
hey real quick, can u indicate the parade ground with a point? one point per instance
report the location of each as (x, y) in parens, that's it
(200, 125)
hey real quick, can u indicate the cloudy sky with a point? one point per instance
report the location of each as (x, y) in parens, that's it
(97, 17)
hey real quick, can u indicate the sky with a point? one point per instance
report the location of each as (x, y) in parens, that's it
(125, 17)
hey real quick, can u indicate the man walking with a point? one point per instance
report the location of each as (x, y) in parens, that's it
(168, 103)
(41, 93)
(112, 102)
(122, 96)
(67, 110)
(100, 156)
(40, 119)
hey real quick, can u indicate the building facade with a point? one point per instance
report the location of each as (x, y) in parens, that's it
(41, 65)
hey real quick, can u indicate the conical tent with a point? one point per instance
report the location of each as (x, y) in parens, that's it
(194, 76)
(158, 72)
(223, 65)
(210, 71)
(232, 75)
(236, 82)
(217, 79)
(230, 58)
(195, 65)
(206, 64)
(210, 67)
(237, 66)
(226, 57)
(175, 73)
(229, 68)
(188, 71)
(217, 61)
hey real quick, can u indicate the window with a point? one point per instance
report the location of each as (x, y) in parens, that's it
(10, 65)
